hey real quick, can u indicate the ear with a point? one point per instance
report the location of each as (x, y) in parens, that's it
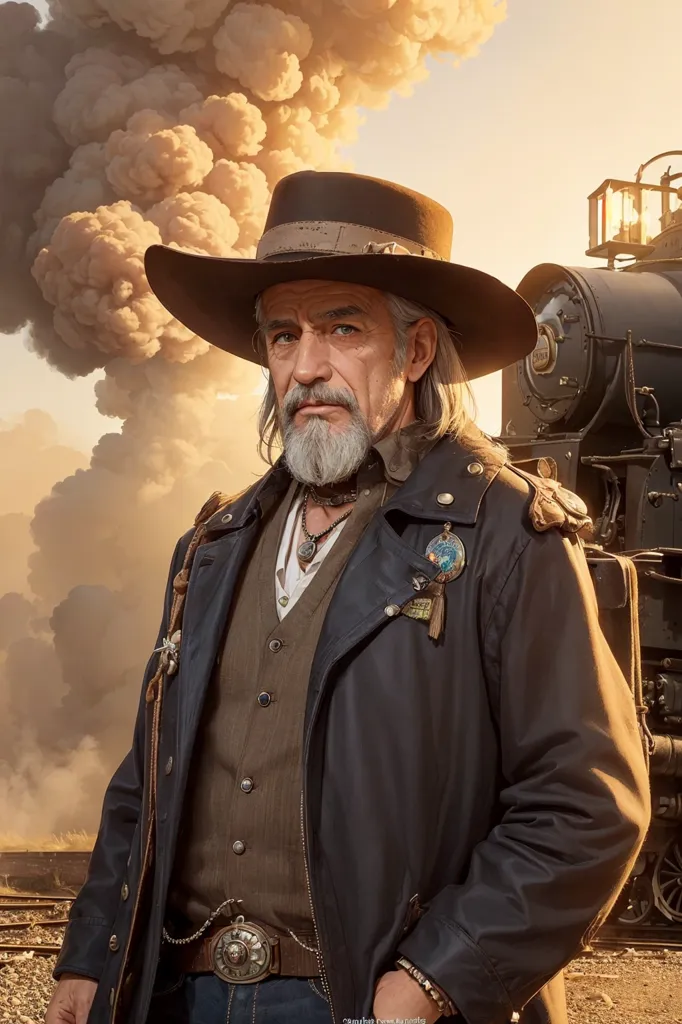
(421, 349)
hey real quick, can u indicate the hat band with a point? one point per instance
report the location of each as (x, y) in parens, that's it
(328, 237)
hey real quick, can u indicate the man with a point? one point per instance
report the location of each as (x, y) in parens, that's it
(385, 764)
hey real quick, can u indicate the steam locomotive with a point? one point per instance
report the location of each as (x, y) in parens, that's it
(598, 406)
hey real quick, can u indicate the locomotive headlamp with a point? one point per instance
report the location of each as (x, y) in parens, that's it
(626, 215)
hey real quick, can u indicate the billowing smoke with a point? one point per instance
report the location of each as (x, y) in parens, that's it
(127, 123)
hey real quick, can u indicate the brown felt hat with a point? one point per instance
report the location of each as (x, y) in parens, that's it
(334, 226)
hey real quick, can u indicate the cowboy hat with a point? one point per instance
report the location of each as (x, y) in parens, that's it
(336, 226)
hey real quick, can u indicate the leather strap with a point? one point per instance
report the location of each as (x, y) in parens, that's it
(288, 957)
(339, 238)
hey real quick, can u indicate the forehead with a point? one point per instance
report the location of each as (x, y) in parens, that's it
(309, 298)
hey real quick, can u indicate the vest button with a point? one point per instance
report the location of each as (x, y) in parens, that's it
(275, 645)
(125, 891)
(391, 610)
(238, 846)
(112, 996)
(113, 943)
(226, 518)
(169, 766)
(246, 785)
(445, 499)
(264, 698)
(475, 468)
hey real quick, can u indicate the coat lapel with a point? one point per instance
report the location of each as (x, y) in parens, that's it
(381, 569)
(378, 578)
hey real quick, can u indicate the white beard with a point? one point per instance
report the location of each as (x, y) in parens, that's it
(317, 453)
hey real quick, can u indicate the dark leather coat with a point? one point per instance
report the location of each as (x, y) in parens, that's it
(497, 773)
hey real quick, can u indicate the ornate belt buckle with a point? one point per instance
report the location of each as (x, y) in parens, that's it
(242, 953)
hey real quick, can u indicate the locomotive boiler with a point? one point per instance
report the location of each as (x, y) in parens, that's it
(598, 406)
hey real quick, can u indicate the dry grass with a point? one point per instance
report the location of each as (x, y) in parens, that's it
(79, 842)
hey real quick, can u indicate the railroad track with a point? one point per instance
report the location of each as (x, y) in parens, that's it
(22, 905)
(18, 926)
(44, 873)
(37, 949)
(654, 937)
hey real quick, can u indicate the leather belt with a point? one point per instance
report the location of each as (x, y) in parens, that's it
(244, 952)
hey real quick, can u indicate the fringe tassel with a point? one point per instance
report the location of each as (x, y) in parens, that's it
(437, 620)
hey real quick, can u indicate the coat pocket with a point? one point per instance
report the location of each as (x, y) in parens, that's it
(413, 912)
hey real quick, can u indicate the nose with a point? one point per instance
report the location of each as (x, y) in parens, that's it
(312, 359)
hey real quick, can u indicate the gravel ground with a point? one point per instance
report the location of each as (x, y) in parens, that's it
(624, 987)
(25, 979)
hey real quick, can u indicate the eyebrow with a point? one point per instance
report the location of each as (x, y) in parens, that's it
(327, 314)
(339, 312)
(275, 325)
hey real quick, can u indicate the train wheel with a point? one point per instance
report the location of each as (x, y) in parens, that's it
(667, 880)
(638, 902)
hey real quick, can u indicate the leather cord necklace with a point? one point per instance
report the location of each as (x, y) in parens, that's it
(308, 549)
(334, 500)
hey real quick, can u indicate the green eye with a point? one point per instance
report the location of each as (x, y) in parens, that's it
(344, 329)
(283, 338)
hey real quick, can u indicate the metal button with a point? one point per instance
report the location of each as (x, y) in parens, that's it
(169, 766)
(284, 601)
(392, 609)
(264, 698)
(445, 498)
(112, 996)
(367, 492)
(475, 468)
(420, 581)
(275, 645)
(246, 785)
(113, 943)
(238, 846)
(125, 891)
(227, 518)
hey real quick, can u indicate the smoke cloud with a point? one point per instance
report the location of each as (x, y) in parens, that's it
(133, 122)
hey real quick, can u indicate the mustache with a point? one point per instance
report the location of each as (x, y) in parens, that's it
(317, 392)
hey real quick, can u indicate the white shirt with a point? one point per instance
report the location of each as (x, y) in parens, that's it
(290, 579)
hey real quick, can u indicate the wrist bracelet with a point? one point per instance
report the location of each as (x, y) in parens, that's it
(442, 1002)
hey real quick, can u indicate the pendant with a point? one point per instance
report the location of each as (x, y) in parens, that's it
(306, 551)
(447, 552)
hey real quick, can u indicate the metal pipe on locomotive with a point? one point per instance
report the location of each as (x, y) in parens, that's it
(598, 405)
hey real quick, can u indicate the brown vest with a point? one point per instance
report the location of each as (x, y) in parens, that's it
(241, 835)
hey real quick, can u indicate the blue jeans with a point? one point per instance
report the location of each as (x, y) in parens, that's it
(207, 999)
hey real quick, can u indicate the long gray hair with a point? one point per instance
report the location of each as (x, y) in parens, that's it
(441, 395)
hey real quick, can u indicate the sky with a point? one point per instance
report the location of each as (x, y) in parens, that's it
(565, 94)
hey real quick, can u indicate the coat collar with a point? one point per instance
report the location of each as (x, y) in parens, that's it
(454, 470)
(450, 469)
(240, 510)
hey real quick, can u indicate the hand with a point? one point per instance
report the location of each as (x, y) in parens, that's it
(398, 997)
(71, 1001)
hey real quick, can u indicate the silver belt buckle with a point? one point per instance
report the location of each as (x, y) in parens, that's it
(242, 953)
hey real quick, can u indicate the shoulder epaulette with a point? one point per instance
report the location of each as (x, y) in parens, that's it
(554, 506)
(217, 501)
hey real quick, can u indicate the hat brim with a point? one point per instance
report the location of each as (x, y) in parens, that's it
(215, 298)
